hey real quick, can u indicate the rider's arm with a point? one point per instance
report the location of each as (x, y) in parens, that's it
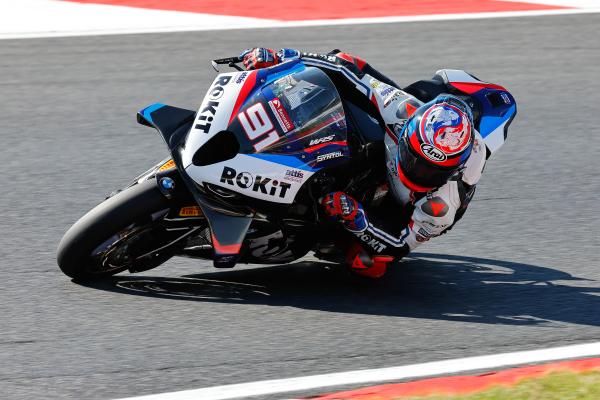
(433, 214)
(375, 93)
(336, 59)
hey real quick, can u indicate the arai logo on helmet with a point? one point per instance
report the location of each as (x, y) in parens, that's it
(432, 153)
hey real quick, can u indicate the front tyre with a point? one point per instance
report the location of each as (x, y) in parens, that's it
(101, 242)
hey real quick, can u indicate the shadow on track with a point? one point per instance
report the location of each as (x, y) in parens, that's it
(428, 286)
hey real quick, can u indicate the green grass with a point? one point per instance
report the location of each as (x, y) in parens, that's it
(555, 386)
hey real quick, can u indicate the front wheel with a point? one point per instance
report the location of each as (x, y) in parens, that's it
(108, 239)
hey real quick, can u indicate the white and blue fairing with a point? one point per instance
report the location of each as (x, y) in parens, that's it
(498, 106)
(287, 120)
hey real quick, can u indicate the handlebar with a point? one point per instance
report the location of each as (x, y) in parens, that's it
(229, 61)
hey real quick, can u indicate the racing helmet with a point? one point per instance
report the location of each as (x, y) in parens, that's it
(434, 144)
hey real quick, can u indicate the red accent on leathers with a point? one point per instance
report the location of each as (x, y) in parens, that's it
(346, 57)
(410, 109)
(366, 265)
(374, 101)
(359, 62)
(436, 207)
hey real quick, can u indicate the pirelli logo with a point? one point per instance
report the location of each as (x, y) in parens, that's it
(168, 165)
(190, 211)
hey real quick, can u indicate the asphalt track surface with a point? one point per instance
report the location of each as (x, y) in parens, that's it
(520, 272)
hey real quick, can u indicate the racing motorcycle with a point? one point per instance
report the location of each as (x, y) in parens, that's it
(243, 179)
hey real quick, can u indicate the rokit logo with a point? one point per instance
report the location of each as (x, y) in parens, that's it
(324, 139)
(329, 156)
(207, 114)
(246, 180)
(371, 242)
(433, 153)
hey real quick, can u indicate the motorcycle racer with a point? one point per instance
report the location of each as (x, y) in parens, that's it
(434, 156)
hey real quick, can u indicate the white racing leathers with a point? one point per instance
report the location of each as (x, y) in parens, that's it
(434, 212)
(439, 209)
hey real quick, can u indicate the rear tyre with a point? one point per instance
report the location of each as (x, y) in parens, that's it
(95, 246)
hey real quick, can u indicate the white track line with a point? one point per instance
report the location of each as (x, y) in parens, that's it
(560, 3)
(369, 376)
(132, 21)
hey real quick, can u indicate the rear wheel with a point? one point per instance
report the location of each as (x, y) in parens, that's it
(117, 234)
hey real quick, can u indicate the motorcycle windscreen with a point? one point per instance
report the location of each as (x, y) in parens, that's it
(299, 114)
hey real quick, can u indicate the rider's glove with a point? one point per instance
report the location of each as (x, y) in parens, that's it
(342, 207)
(259, 57)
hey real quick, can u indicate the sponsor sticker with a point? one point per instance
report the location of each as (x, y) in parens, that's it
(327, 57)
(207, 113)
(424, 233)
(391, 98)
(190, 211)
(387, 90)
(432, 153)
(505, 98)
(281, 115)
(329, 156)
(294, 175)
(258, 184)
(166, 166)
(420, 238)
(320, 140)
(241, 77)
(371, 242)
